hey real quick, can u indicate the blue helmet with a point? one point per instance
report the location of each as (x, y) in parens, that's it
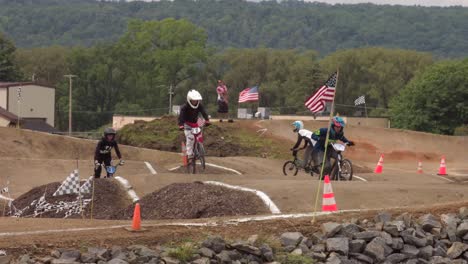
(338, 122)
(298, 125)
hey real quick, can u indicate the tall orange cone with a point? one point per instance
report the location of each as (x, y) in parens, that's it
(442, 168)
(328, 202)
(184, 154)
(420, 170)
(136, 222)
(379, 167)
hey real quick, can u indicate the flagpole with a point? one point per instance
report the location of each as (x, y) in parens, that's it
(326, 148)
(367, 117)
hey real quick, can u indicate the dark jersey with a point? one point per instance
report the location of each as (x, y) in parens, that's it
(190, 115)
(104, 148)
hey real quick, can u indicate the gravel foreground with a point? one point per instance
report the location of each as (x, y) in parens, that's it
(383, 239)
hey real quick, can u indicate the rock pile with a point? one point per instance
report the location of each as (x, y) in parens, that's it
(388, 240)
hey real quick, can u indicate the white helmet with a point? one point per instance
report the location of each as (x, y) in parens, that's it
(194, 95)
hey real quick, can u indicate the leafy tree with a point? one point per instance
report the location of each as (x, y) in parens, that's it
(8, 69)
(435, 100)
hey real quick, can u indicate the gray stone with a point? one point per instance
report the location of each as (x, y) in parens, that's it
(367, 235)
(224, 257)
(45, 260)
(215, 243)
(71, 254)
(303, 246)
(426, 252)
(387, 237)
(459, 261)
(117, 261)
(252, 240)
(88, 258)
(319, 256)
(412, 240)
(465, 255)
(440, 251)
(297, 252)
(338, 244)
(362, 258)
(103, 262)
(5, 259)
(410, 251)
(330, 229)
(392, 230)
(449, 219)
(428, 221)
(396, 258)
(440, 260)
(201, 261)
(247, 249)
(397, 243)
(101, 253)
(406, 218)
(377, 249)
(383, 217)
(206, 252)
(463, 213)
(350, 229)
(335, 259)
(169, 260)
(291, 239)
(357, 246)
(462, 229)
(456, 250)
(55, 253)
(64, 261)
(318, 248)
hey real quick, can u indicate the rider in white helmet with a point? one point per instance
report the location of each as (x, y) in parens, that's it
(188, 117)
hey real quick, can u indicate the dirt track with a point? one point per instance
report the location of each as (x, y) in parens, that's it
(31, 159)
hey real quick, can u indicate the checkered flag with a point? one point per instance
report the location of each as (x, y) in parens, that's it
(70, 185)
(86, 187)
(360, 100)
(4, 190)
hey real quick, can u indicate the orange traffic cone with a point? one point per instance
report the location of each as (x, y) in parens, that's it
(184, 154)
(328, 202)
(136, 222)
(379, 167)
(420, 170)
(442, 168)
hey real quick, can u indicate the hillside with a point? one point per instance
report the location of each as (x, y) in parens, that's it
(289, 24)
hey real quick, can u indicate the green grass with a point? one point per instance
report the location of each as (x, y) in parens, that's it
(294, 259)
(183, 252)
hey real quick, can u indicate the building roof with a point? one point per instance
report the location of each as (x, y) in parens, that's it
(16, 84)
(37, 124)
(8, 115)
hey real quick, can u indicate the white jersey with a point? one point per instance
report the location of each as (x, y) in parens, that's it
(307, 134)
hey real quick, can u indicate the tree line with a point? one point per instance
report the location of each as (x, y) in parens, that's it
(133, 75)
(241, 24)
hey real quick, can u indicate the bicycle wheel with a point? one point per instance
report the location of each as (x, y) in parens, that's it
(346, 170)
(290, 168)
(201, 155)
(334, 172)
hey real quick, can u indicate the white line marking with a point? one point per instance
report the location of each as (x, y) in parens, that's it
(214, 166)
(442, 177)
(128, 188)
(5, 198)
(360, 178)
(266, 200)
(224, 168)
(150, 168)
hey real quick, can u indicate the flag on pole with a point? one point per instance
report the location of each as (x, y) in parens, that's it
(360, 100)
(70, 185)
(316, 102)
(249, 95)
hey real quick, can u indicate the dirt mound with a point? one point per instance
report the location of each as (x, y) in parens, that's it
(197, 200)
(220, 139)
(208, 170)
(109, 197)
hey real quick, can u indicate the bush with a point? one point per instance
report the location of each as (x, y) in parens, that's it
(183, 253)
(295, 259)
(461, 131)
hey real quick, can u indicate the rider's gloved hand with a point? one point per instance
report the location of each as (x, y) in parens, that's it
(350, 143)
(181, 128)
(96, 162)
(207, 123)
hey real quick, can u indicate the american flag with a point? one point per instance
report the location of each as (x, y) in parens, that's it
(316, 102)
(249, 95)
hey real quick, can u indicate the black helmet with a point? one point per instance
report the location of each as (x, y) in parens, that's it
(109, 131)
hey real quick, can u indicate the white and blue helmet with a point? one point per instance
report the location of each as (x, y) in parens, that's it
(298, 125)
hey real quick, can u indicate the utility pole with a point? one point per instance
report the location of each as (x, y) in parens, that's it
(170, 99)
(70, 78)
